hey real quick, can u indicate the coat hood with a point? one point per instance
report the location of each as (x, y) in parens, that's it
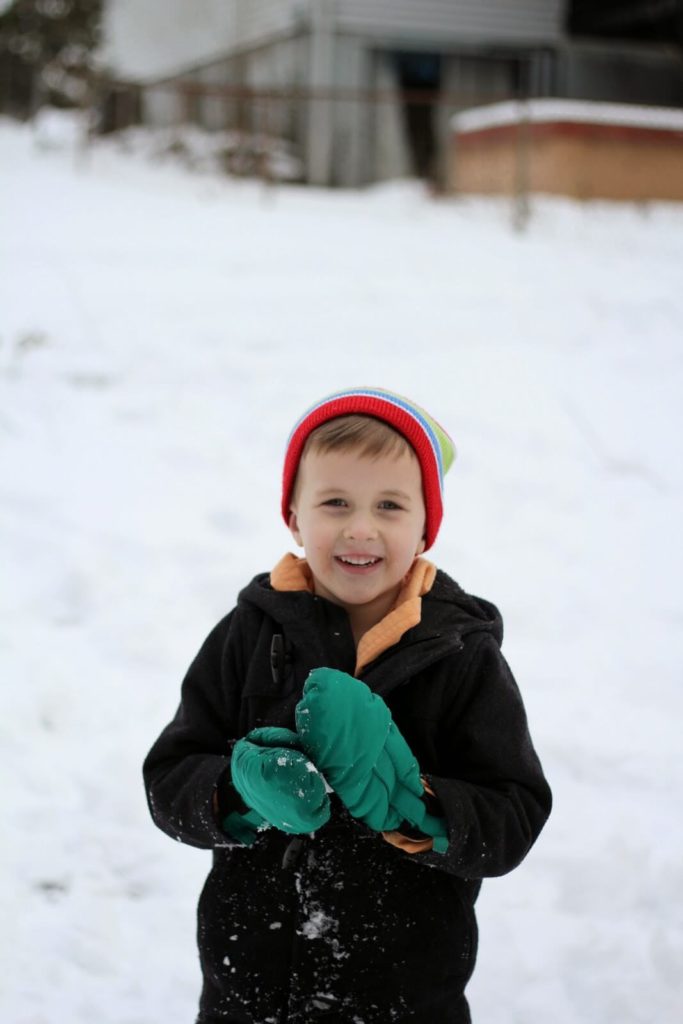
(446, 607)
(472, 614)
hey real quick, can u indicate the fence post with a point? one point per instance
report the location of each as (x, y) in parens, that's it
(319, 148)
(521, 209)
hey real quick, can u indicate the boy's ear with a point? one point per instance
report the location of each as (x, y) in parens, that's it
(294, 528)
(421, 546)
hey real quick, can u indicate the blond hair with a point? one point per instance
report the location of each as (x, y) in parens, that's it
(354, 433)
(363, 434)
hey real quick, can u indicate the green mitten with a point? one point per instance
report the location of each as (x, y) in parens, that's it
(348, 731)
(277, 781)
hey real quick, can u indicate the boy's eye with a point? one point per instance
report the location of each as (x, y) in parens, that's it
(389, 505)
(335, 502)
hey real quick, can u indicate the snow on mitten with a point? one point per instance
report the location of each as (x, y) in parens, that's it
(348, 731)
(276, 779)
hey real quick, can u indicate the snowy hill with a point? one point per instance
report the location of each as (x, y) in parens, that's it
(159, 333)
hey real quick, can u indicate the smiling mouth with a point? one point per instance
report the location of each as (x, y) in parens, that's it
(358, 562)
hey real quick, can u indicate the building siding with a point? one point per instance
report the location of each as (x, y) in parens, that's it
(431, 22)
(261, 21)
(456, 21)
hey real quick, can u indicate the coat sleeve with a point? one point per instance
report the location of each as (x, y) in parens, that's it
(492, 790)
(191, 757)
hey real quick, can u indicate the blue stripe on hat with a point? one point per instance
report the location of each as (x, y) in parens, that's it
(385, 396)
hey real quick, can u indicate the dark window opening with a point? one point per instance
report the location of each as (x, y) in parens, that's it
(419, 74)
(654, 21)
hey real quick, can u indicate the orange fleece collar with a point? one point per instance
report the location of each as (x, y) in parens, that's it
(292, 573)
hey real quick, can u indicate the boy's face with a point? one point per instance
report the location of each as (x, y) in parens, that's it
(361, 523)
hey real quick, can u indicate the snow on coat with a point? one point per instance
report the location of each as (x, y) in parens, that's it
(350, 928)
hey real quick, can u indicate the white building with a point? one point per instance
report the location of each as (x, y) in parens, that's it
(366, 87)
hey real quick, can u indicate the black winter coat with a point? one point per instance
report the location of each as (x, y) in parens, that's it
(353, 930)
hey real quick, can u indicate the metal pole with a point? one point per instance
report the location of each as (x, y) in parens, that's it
(320, 112)
(521, 208)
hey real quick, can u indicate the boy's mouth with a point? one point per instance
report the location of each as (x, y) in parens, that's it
(358, 562)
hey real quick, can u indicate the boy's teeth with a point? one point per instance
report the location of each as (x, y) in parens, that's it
(359, 561)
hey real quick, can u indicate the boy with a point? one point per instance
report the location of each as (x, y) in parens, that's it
(351, 744)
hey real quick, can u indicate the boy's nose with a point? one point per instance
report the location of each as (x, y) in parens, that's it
(360, 527)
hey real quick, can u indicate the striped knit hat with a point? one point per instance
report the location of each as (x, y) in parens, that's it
(432, 445)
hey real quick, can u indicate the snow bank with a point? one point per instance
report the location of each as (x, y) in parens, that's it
(542, 111)
(160, 331)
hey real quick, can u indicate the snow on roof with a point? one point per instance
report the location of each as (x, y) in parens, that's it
(545, 110)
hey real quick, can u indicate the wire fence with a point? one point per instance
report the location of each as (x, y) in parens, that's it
(357, 136)
(286, 120)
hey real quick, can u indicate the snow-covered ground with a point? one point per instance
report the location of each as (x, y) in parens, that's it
(159, 333)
